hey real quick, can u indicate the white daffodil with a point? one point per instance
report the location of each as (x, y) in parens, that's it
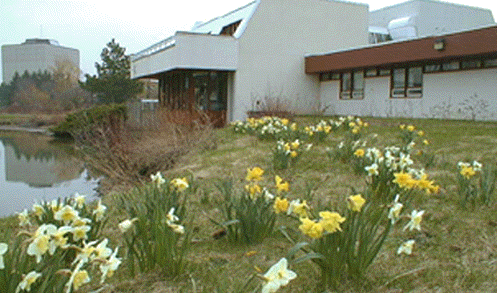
(177, 228)
(180, 184)
(23, 218)
(80, 200)
(86, 253)
(59, 239)
(41, 239)
(38, 211)
(406, 247)
(477, 166)
(171, 217)
(99, 211)
(80, 222)
(27, 281)
(372, 170)
(3, 249)
(66, 214)
(126, 224)
(277, 276)
(415, 221)
(102, 251)
(79, 232)
(157, 179)
(109, 266)
(395, 210)
(78, 278)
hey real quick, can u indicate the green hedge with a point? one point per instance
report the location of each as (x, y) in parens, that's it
(111, 115)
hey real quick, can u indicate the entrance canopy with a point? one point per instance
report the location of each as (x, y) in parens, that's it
(186, 51)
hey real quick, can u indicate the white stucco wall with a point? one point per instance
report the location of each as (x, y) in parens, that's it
(272, 49)
(190, 51)
(445, 95)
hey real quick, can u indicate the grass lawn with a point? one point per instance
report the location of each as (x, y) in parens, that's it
(455, 251)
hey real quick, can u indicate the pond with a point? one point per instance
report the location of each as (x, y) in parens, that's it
(35, 168)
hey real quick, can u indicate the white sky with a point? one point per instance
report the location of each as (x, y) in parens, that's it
(88, 25)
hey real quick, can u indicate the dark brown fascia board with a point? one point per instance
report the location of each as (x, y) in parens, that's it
(477, 42)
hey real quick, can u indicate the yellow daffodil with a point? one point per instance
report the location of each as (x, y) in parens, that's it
(293, 127)
(298, 208)
(331, 221)
(467, 172)
(280, 185)
(355, 202)
(311, 228)
(411, 128)
(253, 189)
(404, 180)
(277, 276)
(359, 153)
(406, 247)
(293, 154)
(421, 133)
(254, 174)
(181, 184)
(295, 145)
(3, 249)
(284, 121)
(281, 205)
(27, 281)
(402, 126)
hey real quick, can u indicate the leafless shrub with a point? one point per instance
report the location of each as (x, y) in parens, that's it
(127, 155)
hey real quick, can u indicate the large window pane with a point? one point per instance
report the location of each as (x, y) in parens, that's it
(346, 82)
(358, 80)
(399, 78)
(415, 77)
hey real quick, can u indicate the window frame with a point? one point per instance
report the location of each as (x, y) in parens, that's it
(408, 88)
(353, 91)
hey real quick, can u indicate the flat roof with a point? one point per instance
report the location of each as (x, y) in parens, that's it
(482, 41)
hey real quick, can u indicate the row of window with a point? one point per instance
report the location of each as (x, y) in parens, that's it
(406, 82)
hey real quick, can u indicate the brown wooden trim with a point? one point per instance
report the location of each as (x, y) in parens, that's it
(479, 42)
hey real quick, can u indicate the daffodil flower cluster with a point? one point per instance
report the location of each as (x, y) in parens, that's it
(319, 131)
(287, 154)
(468, 170)
(266, 127)
(63, 225)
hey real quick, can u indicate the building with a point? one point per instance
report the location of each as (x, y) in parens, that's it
(314, 56)
(35, 55)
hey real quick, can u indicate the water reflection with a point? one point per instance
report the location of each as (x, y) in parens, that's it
(35, 168)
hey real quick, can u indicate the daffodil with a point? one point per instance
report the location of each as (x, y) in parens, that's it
(394, 212)
(280, 185)
(277, 276)
(404, 180)
(23, 218)
(78, 278)
(79, 200)
(99, 211)
(411, 128)
(171, 217)
(66, 214)
(157, 179)
(101, 250)
(126, 224)
(406, 247)
(281, 205)
(176, 228)
(415, 221)
(372, 170)
(3, 249)
(355, 202)
(181, 184)
(79, 232)
(109, 266)
(27, 281)
(58, 239)
(38, 211)
(311, 228)
(254, 174)
(359, 153)
(253, 189)
(467, 172)
(41, 239)
(331, 221)
(298, 208)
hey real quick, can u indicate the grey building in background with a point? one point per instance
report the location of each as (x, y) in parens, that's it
(35, 55)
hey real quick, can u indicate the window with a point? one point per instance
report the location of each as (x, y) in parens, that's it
(470, 64)
(449, 66)
(371, 72)
(491, 62)
(433, 67)
(407, 82)
(352, 85)
(329, 76)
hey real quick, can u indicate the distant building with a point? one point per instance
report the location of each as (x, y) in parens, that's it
(35, 55)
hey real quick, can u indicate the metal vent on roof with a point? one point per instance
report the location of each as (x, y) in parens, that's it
(403, 28)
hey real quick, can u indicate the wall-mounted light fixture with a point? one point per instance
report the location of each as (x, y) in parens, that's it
(439, 44)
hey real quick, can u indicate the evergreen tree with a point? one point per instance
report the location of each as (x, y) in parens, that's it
(113, 84)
